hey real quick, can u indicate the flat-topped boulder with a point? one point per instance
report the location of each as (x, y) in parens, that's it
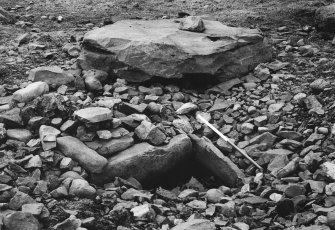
(139, 50)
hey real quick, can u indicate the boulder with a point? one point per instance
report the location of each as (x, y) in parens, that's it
(212, 158)
(325, 18)
(143, 161)
(52, 75)
(138, 50)
(78, 151)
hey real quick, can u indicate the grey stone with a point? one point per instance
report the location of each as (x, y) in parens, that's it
(325, 18)
(146, 131)
(143, 161)
(94, 114)
(21, 221)
(78, 151)
(82, 189)
(52, 75)
(195, 224)
(20, 199)
(30, 92)
(23, 135)
(158, 48)
(109, 148)
(192, 23)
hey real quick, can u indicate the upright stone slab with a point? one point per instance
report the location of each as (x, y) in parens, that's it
(212, 158)
(139, 50)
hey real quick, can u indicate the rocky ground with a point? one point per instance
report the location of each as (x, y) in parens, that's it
(63, 141)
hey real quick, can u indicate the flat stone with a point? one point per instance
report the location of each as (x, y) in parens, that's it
(157, 48)
(78, 151)
(213, 159)
(144, 161)
(52, 75)
(94, 114)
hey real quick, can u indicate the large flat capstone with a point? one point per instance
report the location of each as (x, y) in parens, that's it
(139, 50)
